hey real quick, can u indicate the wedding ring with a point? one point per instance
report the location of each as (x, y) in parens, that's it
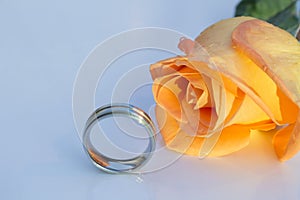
(113, 165)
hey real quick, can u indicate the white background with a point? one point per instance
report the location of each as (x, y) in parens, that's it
(42, 46)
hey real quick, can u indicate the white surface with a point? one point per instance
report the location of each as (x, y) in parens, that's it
(42, 45)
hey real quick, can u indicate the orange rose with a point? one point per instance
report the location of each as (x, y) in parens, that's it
(240, 74)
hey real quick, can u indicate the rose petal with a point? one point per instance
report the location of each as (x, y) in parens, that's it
(169, 92)
(286, 141)
(249, 113)
(186, 45)
(279, 57)
(232, 138)
(241, 70)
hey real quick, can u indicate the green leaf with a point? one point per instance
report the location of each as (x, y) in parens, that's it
(282, 13)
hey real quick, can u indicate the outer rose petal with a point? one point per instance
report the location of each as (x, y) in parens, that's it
(232, 138)
(286, 141)
(216, 40)
(186, 45)
(278, 54)
(274, 50)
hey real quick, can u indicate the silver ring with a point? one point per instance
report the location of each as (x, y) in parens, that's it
(112, 165)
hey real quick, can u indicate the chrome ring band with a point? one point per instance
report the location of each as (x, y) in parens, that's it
(112, 165)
